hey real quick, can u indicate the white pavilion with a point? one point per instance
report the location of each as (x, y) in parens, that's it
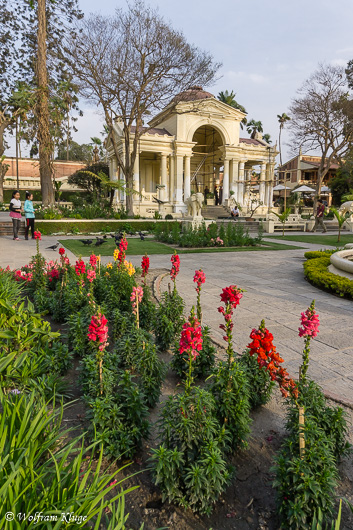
(192, 144)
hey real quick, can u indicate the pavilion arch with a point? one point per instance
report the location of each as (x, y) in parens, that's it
(211, 123)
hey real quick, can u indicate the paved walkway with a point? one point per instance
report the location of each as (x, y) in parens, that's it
(275, 290)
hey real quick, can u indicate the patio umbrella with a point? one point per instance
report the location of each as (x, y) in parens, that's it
(280, 187)
(325, 189)
(303, 189)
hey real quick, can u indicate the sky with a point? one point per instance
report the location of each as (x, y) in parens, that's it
(268, 49)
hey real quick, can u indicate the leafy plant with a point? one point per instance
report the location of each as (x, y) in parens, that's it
(189, 466)
(316, 272)
(204, 362)
(229, 387)
(283, 217)
(305, 484)
(169, 319)
(64, 478)
(260, 384)
(341, 219)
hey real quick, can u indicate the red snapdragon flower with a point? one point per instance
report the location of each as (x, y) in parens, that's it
(37, 235)
(175, 266)
(93, 260)
(61, 251)
(80, 267)
(98, 330)
(262, 346)
(199, 279)
(145, 265)
(191, 338)
(231, 295)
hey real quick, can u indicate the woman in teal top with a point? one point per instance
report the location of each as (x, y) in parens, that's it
(29, 213)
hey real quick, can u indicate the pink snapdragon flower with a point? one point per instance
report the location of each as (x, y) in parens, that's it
(199, 279)
(310, 323)
(191, 338)
(136, 298)
(91, 275)
(98, 330)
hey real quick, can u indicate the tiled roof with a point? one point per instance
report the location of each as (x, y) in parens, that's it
(193, 93)
(317, 164)
(250, 141)
(152, 130)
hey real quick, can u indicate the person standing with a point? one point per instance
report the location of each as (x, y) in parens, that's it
(15, 214)
(29, 213)
(319, 218)
(216, 195)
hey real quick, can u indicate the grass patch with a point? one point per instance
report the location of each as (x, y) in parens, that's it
(319, 239)
(138, 247)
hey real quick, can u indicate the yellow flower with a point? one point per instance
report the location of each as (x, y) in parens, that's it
(116, 254)
(129, 267)
(109, 265)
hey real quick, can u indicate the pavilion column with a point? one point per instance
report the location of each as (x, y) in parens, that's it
(171, 178)
(187, 178)
(164, 181)
(262, 183)
(234, 178)
(225, 195)
(241, 184)
(179, 179)
(136, 184)
(270, 173)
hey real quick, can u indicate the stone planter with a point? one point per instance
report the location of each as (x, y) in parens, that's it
(210, 202)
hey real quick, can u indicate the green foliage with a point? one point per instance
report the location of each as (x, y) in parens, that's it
(189, 466)
(29, 348)
(259, 380)
(204, 362)
(169, 319)
(147, 310)
(118, 420)
(229, 387)
(316, 272)
(63, 477)
(283, 217)
(305, 485)
(312, 254)
(232, 235)
(138, 354)
(332, 420)
(89, 227)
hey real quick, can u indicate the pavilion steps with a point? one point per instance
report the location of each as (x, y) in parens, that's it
(215, 212)
(7, 230)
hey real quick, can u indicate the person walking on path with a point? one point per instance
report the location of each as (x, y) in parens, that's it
(29, 213)
(15, 213)
(319, 219)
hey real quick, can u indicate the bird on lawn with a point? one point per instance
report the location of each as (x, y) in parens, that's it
(100, 242)
(53, 247)
(105, 236)
(142, 237)
(86, 241)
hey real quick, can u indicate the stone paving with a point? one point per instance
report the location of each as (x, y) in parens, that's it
(275, 290)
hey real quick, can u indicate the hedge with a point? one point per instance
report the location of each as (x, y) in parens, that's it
(312, 254)
(315, 271)
(87, 227)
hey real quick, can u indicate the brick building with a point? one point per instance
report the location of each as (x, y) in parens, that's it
(303, 170)
(28, 171)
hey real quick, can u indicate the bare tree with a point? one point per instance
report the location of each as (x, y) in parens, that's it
(131, 65)
(322, 118)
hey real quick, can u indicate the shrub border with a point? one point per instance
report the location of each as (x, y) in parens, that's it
(317, 273)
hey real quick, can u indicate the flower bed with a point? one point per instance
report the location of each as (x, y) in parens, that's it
(119, 334)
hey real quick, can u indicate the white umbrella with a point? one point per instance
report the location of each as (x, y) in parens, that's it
(325, 189)
(303, 189)
(280, 187)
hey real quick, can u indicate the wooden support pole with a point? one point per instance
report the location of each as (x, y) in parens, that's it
(301, 432)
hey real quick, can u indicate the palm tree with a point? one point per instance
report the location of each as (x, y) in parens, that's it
(229, 99)
(341, 219)
(253, 127)
(267, 138)
(282, 118)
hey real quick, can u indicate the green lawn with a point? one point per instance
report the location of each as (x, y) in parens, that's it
(319, 239)
(138, 247)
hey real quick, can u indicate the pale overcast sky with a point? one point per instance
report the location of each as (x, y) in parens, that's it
(267, 48)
